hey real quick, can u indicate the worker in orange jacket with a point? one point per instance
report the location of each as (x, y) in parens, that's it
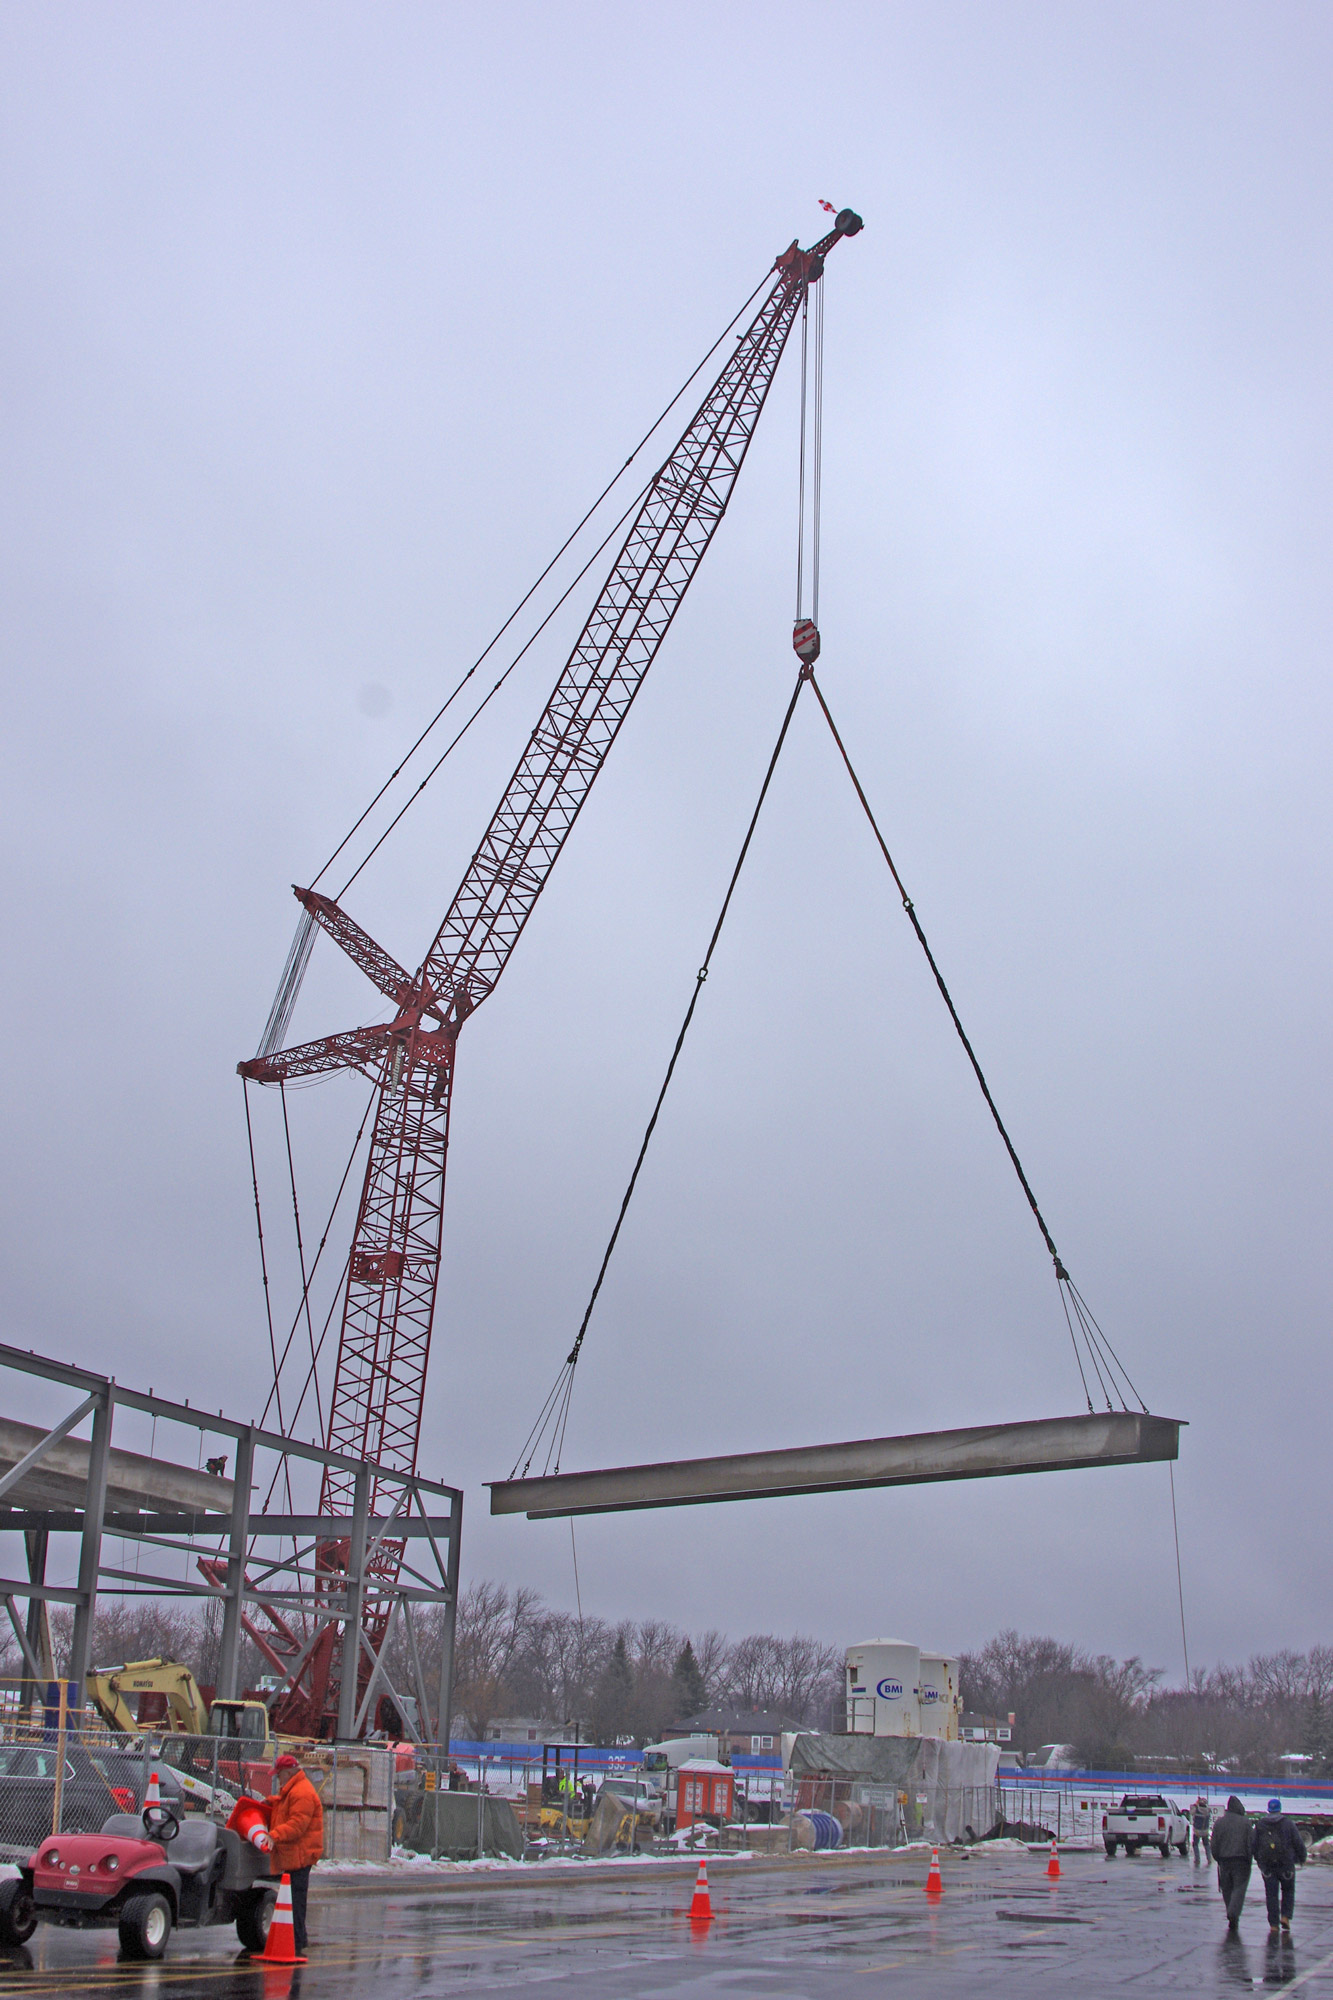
(295, 1820)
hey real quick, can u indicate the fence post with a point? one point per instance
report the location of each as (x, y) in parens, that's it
(58, 1802)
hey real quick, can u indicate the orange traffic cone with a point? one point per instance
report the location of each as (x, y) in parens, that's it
(281, 1946)
(1053, 1865)
(153, 1796)
(934, 1880)
(701, 1903)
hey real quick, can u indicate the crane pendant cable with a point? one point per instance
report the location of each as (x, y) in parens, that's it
(298, 957)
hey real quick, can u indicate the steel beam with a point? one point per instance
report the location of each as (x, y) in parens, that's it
(180, 1413)
(1051, 1444)
(433, 1528)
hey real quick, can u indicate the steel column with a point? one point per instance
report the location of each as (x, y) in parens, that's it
(236, 1549)
(37, 1629)
(90, 1550)
(448, 1625)
(355, 1605)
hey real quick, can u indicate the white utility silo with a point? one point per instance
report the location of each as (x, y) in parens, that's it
(883, 1683)
(941, 1703)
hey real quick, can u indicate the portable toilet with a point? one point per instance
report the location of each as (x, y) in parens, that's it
(705, 1790)
(941, 1703)
(883, 1688)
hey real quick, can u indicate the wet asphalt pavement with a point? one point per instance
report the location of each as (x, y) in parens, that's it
(782, 1931)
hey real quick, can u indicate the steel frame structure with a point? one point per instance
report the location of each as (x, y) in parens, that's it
(392, 1278)
(264, 1570)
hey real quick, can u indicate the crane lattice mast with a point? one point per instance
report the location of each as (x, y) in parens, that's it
(393, 1269)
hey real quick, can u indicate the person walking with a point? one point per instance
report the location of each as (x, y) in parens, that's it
(296, 1823)
(1233, 1851)
(1201, 1821)
(1279, 1851)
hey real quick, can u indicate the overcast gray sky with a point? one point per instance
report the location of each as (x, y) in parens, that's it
(321, 324)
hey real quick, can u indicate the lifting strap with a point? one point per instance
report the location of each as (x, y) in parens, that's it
(554, 1412)
(1107, 1367)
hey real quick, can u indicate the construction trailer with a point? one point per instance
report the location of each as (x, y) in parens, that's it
(108, 1521)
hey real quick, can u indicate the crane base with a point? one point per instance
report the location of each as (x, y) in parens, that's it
(986, 1451)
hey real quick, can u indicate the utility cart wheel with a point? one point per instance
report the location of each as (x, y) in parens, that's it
(18, 1918)
(252, 1921)
(145, 1926)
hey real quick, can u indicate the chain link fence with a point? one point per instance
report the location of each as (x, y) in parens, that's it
(62, 1770)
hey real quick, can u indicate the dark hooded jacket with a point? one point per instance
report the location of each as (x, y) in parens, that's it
(1287, 1840)
(1233, 1836)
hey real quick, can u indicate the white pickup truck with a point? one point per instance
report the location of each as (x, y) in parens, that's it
(1145, 1819)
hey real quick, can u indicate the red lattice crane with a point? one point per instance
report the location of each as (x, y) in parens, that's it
(393, 1269)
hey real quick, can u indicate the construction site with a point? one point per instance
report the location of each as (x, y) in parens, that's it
(269, 1724)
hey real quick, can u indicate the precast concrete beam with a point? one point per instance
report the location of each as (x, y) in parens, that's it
(986, 1451)
(133, 1480)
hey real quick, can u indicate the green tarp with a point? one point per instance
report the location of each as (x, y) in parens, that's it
(448, 1823)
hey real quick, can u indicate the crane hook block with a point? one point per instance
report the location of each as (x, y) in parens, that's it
(805, 640)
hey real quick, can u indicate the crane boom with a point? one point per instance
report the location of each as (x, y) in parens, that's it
(393, 1267)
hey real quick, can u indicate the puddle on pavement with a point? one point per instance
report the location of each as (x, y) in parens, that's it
(1031, 1917)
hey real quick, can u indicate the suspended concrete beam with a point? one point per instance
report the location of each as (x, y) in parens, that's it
(986, 1451)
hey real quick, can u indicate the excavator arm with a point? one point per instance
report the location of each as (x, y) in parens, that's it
(111, 1688)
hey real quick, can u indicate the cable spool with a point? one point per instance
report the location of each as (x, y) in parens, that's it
(827, 1830)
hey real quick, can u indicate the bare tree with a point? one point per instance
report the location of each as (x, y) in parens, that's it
(493, 1621)
(793, 1677)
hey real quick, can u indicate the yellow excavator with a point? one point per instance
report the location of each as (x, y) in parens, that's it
(116, 1693)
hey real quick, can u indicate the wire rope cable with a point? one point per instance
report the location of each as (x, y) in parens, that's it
(810, 467)
(554, 1412)
(1180, 1587)
(486, 700)
(800, 473)
(298, 957)
(1106, 1364)
(303, 1303)
(300, 1245)
(817, 452)
(529, 594)
(553, 1417)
